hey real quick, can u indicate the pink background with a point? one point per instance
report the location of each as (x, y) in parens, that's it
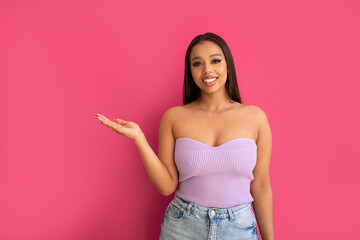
(64, 175)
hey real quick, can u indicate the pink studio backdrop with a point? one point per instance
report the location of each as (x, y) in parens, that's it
(64, 175)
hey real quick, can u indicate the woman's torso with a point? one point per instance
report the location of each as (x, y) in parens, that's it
(219, 174)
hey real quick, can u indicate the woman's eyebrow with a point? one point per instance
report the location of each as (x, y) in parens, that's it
(215, 54)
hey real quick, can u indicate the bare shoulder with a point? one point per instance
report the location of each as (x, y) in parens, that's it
(257, 113)
(172, 112)
(260, 119)
(170, 115)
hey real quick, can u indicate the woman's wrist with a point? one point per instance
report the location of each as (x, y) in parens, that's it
(139, 137)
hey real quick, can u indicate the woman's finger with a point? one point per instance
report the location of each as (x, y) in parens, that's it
(118, 120)
(110, 124)
(99, 116)
(103, 118)
(116, 125)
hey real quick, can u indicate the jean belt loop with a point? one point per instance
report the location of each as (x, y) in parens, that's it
(231, 215)
(189, 208)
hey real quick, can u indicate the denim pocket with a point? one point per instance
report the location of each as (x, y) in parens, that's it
(174, 213)
(245, 220)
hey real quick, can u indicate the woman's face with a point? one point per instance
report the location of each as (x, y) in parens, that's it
(207, 61)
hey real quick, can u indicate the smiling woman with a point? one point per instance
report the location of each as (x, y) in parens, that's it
(216, 61)
(209, 51)
(216, 147)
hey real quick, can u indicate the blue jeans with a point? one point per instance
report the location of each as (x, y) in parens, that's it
(184, 219)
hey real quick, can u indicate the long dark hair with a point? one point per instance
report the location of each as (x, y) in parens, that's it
(191, 91)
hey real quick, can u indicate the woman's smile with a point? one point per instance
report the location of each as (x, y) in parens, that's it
(210, 81)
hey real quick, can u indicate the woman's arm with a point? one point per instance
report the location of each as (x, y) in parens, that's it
(260, 187)
(156, 169)
(161, 170)
(163, 173)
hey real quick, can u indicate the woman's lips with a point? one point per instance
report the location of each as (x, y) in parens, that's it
(209, 84)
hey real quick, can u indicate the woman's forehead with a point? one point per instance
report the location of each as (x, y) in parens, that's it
(206, 49)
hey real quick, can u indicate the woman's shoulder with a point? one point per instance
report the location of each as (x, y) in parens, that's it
(257, 114)
(174, 109)
(173, 112)
(179, 108)
(253, 109)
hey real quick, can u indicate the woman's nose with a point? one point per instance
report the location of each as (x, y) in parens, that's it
(207, 68)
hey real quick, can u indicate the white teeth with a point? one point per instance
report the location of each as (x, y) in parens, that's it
(209, 80)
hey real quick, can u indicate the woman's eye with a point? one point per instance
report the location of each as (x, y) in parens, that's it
(197, 63)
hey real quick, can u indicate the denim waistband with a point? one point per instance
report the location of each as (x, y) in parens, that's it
(231, 213)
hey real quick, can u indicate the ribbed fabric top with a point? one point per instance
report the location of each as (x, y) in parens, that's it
(218, 176)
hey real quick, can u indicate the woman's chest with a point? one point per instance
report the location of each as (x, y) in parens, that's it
(214, 129)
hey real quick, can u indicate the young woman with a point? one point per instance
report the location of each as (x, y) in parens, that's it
(216, 147)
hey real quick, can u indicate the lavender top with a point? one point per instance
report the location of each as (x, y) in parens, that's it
(217, 177)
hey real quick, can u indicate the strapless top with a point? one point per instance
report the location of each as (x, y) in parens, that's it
(217, 176)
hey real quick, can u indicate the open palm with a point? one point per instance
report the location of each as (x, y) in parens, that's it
(125, 128)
